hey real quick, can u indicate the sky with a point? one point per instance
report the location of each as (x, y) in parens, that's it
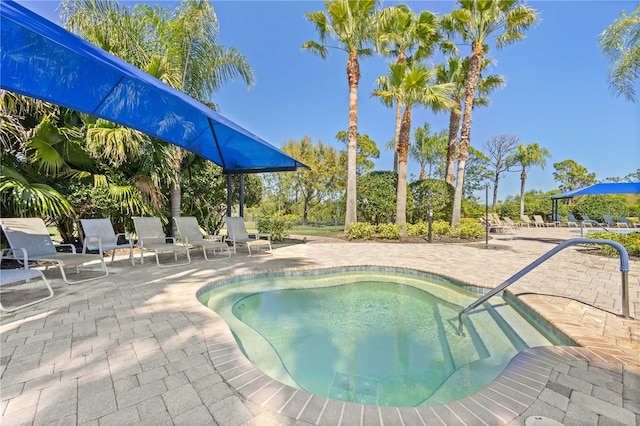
(556, 94)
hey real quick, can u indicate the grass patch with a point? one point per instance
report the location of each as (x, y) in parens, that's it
(318, 231)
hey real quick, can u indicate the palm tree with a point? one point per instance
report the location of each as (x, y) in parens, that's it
(405, 36)
(528, 156)
(180, 50)
(455, 71)
(410, 85)
(351, 24)
(620, 42)
(476, 21)
(428, 148)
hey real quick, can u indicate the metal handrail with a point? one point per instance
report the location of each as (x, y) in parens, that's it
(624, 268)
(591, 221)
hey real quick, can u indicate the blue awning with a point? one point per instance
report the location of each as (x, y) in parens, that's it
(42, 60)
(602, 188)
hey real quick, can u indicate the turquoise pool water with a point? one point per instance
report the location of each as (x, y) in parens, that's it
(373, 337)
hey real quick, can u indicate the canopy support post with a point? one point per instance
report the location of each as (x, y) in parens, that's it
(229, 189)
(241, 195)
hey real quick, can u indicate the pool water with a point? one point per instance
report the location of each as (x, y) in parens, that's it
(374, 338)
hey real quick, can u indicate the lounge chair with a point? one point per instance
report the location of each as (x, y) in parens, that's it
(99, 235)
(571, 220)
(14, 276)
(189, 234)
(623, 222)
(539, 221)
(526, 220)
(587, 222)
(150, 236)
(31, 235)
(513, 225)
(237, 234)
(608, 220)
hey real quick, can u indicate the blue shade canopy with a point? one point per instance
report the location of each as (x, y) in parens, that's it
(42, 60)
(602, 188)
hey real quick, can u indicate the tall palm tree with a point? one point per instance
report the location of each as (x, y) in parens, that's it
(405, 36)
(455, 71)
(620, 42)
(528, 156)
(410, 85)
(428, 148)
(351, 24)
(476, 21)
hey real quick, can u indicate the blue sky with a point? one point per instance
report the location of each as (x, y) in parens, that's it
(556, 93)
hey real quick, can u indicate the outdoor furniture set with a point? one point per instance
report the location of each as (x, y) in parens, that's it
(30, 244)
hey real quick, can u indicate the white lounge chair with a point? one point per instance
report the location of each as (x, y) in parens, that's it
(14, 276)
(150, 236)
(189, 233)
(99, 235)
(31, 235)
(237, 234)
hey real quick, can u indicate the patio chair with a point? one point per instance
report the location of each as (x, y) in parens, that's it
(237, 234)
(571, 220)
(608, 220)
(150, 236)
(31, 235)
(623, 222)
(14, 276)
(510, 223)
(189, 233)
(587, 221)
(99, 235)
(539, 221)
(525, 220)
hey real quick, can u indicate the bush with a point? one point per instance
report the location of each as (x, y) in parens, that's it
(441, 227)
(276, 226)
(389, 231)
(434, 192)
(360, 231)
(631, 242)
(468, 229)
(418, 229)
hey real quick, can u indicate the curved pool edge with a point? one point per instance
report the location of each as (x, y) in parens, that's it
(510, 395)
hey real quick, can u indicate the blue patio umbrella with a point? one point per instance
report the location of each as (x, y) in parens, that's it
(42, 60)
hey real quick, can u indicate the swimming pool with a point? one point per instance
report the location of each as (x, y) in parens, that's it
(378, 336)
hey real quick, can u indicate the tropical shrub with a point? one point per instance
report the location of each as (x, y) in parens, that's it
(418, 229)
(441, 227)
(631, 242)
(595, 206)
(377, 197)
(389, 231)
(278, 227)
(360, 231)
(434, 192)
(468, 228)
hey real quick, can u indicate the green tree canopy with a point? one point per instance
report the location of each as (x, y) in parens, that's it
(571, 175)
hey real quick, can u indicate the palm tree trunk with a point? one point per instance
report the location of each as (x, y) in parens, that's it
(353, 76)
(495, 192)
(465, 132)
(397, 138)
(454, 126)
(523, 178)
(403, 155)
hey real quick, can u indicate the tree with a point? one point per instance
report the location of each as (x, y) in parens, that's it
(455, 71)
(527, 156)
(571, 175)
(316, 183)
(352, 25)
(428, 148)
(500, 148)
(411, 86)
(476, 21)
(367, 149)
(179, 49)
(620, 42)
(405, 36)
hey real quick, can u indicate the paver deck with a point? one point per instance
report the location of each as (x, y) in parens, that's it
(137, 347)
